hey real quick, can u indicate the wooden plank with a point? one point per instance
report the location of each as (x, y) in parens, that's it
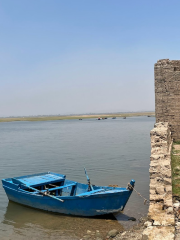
(61, 187)
(36, 190)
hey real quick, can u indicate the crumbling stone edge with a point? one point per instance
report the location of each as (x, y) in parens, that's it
(161, 223)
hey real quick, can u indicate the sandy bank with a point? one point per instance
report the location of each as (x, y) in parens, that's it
(53, 118)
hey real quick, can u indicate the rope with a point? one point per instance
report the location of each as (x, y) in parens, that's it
(130, 187)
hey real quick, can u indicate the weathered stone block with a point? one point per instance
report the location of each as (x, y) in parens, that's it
(168, 202)
(168, 189)
(160, 190)
(158, 233)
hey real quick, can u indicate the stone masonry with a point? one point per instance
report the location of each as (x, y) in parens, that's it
(167, 94)
(161, 215)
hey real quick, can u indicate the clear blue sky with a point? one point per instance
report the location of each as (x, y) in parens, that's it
(77, 56)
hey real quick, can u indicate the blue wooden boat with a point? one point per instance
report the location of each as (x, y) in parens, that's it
(53, 192)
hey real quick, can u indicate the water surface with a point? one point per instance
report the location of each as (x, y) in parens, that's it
(114, 151)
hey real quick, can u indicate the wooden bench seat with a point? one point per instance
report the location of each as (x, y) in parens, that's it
(58, 188)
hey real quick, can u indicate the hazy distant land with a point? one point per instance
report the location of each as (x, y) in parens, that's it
(51, 118)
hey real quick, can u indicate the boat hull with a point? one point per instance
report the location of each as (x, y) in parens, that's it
(92, 205)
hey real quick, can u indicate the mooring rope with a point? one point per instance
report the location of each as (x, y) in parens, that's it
(130, 187)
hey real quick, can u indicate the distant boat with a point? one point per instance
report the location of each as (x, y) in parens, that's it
(113, 117)
(124, 117)
(105, 118)
(53, 192)
(99, 118)
(80, 119)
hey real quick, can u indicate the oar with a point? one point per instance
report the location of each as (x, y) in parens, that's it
(43, 193)
(88, 180)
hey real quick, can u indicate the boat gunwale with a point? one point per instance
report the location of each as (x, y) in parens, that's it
(95, 195)
(38, 174)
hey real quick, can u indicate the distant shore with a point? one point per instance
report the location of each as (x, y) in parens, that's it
(51, 118)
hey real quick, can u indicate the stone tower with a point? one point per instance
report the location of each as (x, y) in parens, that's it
(167, 94)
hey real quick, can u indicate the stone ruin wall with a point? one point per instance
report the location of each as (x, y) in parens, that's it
(161, 216)
(160, 167)
(167, 94)
(167, 128)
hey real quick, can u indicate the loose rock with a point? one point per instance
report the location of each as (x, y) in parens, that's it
(176, 205)
(98, 234)
(112, 233)
(148, 224)
(87, 237)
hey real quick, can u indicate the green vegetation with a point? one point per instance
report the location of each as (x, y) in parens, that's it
(175, 164)
(51, 118)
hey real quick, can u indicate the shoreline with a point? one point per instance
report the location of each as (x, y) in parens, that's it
(68, 117)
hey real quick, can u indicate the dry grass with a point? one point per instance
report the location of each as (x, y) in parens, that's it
(175, 164)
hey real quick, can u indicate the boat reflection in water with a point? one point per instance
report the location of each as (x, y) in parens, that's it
(28, 223)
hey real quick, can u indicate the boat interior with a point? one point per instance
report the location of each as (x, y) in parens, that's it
(55, 185)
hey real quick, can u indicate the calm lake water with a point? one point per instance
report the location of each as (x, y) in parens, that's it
(114, 151)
